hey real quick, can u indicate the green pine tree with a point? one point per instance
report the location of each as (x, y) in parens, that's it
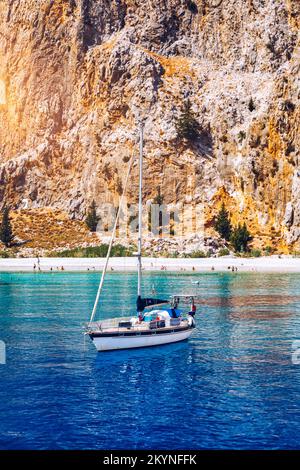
(187, 126)
(192, 6)
(251, 105)
(222, 224)
(240, 238)
(6, 233)
(157, 200)
(92, 219)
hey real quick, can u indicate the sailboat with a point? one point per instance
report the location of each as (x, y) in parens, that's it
(151, 325)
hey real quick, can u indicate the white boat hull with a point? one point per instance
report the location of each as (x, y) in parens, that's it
(111, 343)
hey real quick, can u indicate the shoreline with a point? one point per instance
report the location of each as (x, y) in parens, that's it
(270, 264)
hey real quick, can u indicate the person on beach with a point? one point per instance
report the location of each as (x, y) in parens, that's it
(34, 267)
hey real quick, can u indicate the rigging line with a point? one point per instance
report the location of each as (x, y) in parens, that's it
(140, 210)
(110, 244)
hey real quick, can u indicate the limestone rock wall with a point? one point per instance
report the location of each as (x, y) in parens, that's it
(75, 74)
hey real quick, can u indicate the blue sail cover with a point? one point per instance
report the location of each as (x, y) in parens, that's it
(174, 312)
(141, 304)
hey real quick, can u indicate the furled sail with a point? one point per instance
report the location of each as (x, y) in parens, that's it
(141, 304)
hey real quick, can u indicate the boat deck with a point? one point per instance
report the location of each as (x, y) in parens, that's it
(111, 327)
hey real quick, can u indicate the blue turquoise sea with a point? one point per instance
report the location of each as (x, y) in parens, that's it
(233, 385)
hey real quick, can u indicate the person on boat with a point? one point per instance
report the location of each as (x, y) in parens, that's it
(173, 312)
(141, 317)
(193, 309)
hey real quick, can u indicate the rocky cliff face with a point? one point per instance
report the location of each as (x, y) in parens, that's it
(75, 74)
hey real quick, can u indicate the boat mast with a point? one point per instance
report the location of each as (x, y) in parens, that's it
(111, 243)
(139, 290)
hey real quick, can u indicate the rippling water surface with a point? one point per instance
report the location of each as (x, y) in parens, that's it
(232, 385)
